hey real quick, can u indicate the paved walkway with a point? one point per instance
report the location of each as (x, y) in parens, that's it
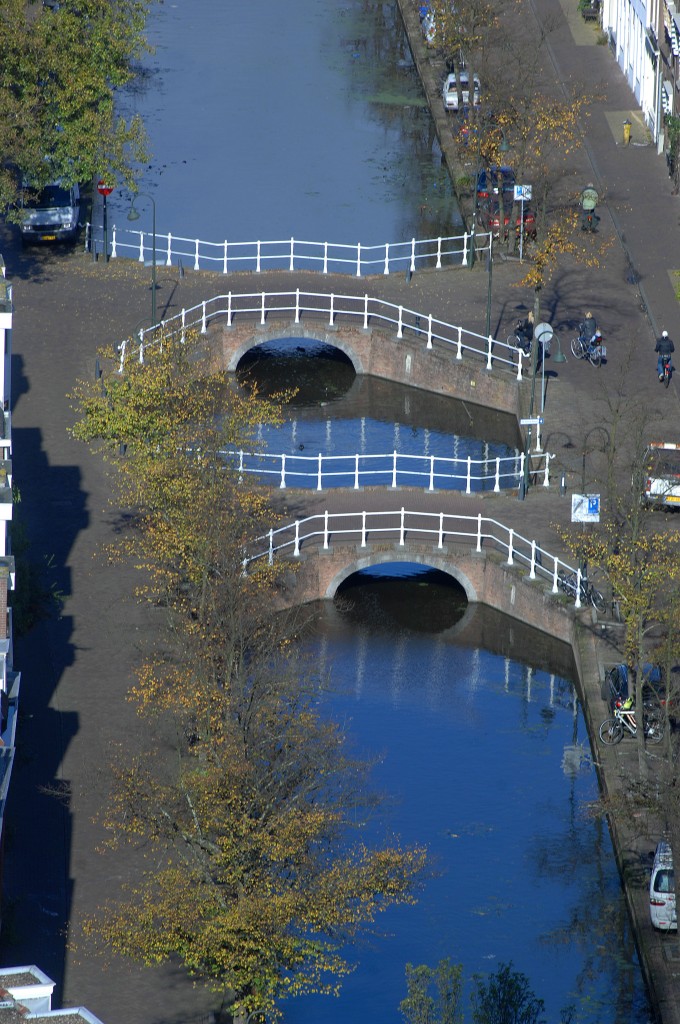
(77, 669)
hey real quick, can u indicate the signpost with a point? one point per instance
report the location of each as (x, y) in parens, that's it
(105, 190)
(585, 508)
(521, 193)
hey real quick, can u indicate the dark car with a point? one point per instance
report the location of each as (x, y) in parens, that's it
(616, 688)
(492, 180)
(490, 218)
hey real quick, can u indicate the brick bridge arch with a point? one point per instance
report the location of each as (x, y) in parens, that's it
(485, 576)
(377, 351)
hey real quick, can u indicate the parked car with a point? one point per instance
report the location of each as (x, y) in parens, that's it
(662, 475)
(50, 214)
(662, 909)
(456, 90)
(490, 218)
(491, 179)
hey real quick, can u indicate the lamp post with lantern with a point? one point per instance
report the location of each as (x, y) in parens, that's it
(133, 214)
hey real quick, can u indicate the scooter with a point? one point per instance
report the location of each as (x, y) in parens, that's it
(666, 370)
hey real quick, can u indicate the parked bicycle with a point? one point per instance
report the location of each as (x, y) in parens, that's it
(589, 348)
(567, 582)
(612, 729)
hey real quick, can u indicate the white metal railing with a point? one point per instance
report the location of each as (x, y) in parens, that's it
(363, 528)
(296, 254)
(332, 308)
(392, 469)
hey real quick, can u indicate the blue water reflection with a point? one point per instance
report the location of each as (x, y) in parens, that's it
(484, 758)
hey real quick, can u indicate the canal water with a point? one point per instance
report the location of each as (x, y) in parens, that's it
(270, 121)
(307, 120)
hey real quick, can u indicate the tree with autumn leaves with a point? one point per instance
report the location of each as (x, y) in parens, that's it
(61, 65)
(246, 801)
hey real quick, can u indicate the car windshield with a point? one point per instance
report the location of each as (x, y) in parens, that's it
(664, 881)
(50, 196)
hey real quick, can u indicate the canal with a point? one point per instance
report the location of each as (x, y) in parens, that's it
(313, 125)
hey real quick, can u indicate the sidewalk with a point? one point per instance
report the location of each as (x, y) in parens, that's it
(77, 669)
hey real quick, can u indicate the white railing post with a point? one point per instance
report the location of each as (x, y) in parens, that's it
(204, 317)
(554, 586)
(401, 528)
(140, 258)
(488, 353)
(400, 323)
(438, 265)
(229, 310)
(262, 307)
(240, 466)
(224, 259)
(413, 256)
(546, 476)
(141, 353)
(325, 257)
(577, 602)
(113, 243)
(521, 466)
(291, 265)
(468, 484)
(332, 311)
(464, 261)
(431, 487)
(271, 547)
(497, 483)
(356, 472)
(257, 260)
(511, 538)
(121, 365)
(440, 543)
(532, 571)
(168, 256)
(319, 472)
(479, 532)
(325, 530)
(429, 331)
(297, 305)
(296, 547)
(519, 364)
(394, 469)
(363, 529)
(359, 259)
(183, 335)
(197, 264)
(386, 268)
(459, 346)
(365, 312)
(282, 485)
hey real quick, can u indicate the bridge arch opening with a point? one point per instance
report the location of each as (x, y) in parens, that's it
(320, 372)
(407, 595)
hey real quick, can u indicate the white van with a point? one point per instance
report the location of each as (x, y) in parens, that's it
(50, 215)
(662, 889)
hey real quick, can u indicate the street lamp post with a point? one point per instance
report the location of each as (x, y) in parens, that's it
(134, 215)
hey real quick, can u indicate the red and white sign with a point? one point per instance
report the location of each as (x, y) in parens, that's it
(103, 188)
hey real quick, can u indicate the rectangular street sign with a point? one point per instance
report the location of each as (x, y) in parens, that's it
(585, 508)
(523, 192)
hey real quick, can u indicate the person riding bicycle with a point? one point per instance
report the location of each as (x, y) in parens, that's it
(589, 200)
(587, 328)
(525, 332)
(665, 347)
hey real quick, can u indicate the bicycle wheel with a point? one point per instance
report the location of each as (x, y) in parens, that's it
(654, 728)
(666, 378)
(577, 348)
(597, 600)
(595, 355)
(513, 341)
(611, 731)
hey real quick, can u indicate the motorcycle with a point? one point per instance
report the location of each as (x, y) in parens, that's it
(666, 370)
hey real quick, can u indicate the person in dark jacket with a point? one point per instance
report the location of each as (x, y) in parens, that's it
(588, 328)
(525, 332)
(664, 347)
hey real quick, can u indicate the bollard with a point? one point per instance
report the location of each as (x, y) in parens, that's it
(563, 485)
(626, 132)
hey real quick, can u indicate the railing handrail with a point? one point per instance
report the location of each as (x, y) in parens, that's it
(298, 254)
(444, 526)
(285, 466)
(298, 303)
